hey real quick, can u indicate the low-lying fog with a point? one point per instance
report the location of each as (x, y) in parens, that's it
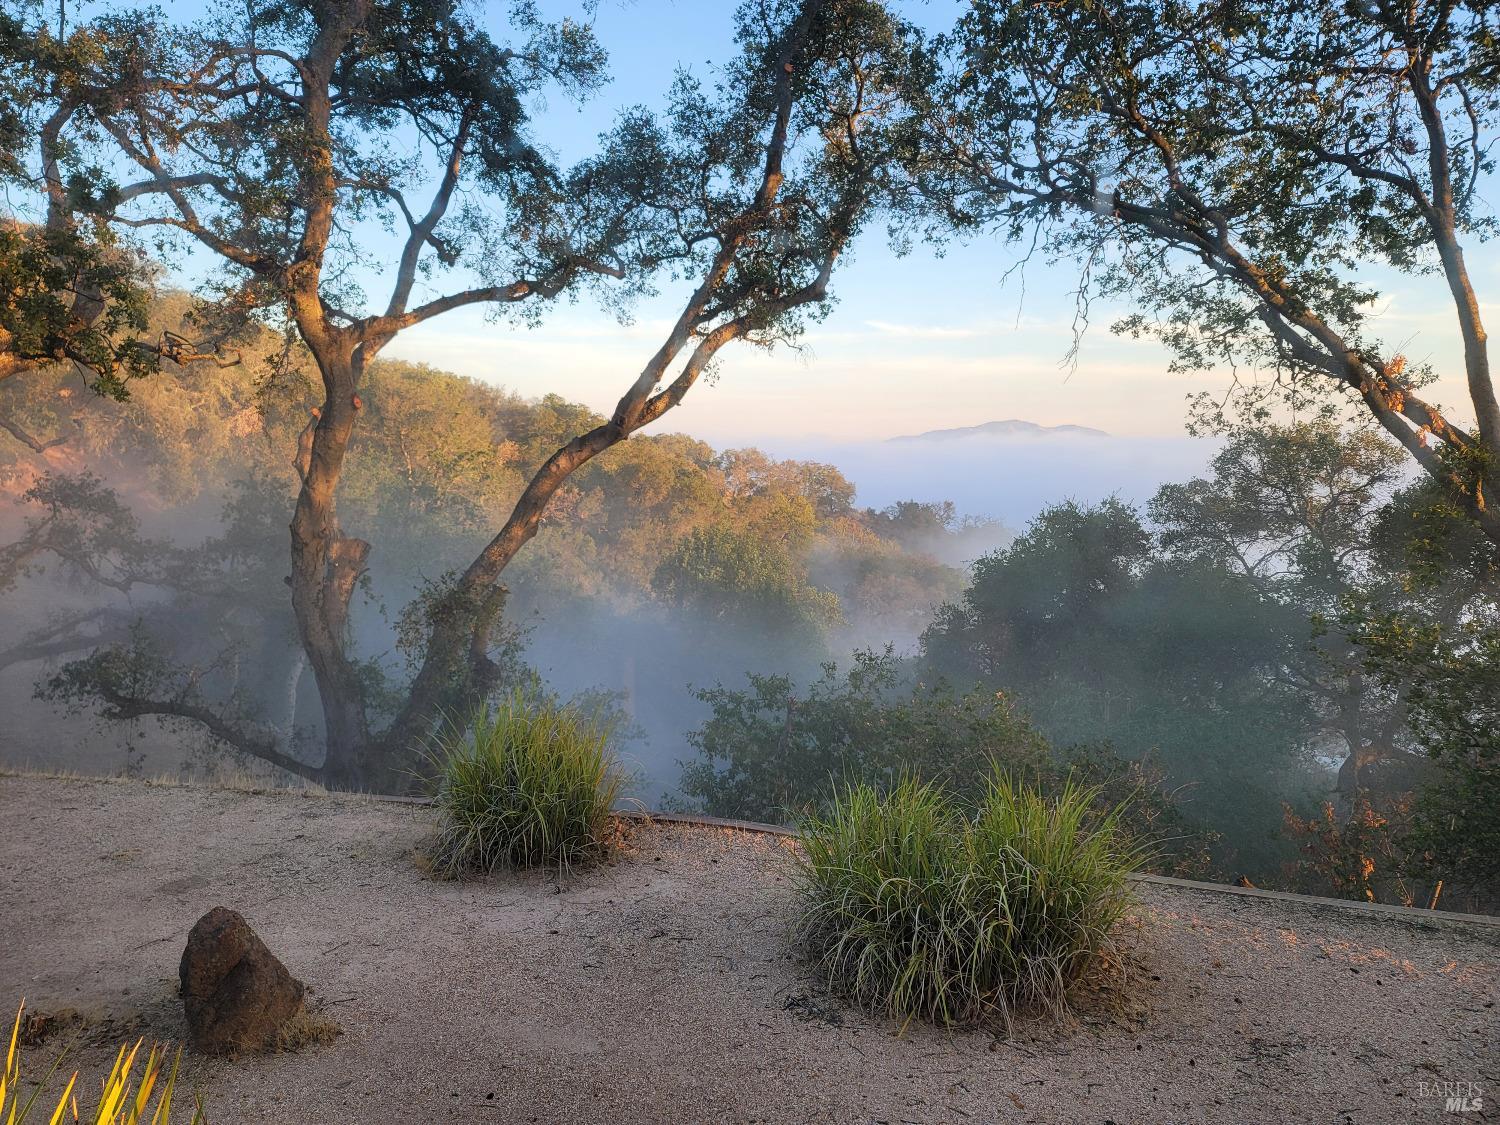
(996, 482)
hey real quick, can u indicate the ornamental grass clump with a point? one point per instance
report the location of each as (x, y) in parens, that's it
(528, 783)
(125, 1097)
(919, 907)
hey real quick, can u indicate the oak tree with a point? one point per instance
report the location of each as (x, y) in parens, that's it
(266, 140)
(1235, 169)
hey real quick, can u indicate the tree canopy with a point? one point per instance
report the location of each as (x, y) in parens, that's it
(1235, 169)
(263, 138)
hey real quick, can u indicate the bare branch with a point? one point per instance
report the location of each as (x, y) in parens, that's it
(36, 445)
(257, 744)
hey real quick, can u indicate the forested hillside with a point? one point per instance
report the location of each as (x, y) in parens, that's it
(1216, 656)
(163, 519)
(1278, 651)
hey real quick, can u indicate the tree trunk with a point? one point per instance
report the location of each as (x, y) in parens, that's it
(289, 694)
(326, 567)
(456, 669)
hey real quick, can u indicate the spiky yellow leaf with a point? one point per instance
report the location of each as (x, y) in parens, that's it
(62, 1102)
(148, 1081)
(117, 1087)
(8, 1079)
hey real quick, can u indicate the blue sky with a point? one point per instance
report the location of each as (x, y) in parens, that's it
(915, 343)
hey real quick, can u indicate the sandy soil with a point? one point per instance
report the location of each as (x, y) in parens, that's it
(660, 988)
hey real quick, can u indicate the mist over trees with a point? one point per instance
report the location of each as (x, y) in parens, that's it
(228, 517)
(1226, 636)
(261, 141)
(170, 547)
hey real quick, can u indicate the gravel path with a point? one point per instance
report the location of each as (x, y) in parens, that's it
(659, 988)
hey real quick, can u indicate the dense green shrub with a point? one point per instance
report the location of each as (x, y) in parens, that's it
(527, 783)
(1451, 677)
(771, 752)
(1148, 809)
(1102, 636)
(921, 906)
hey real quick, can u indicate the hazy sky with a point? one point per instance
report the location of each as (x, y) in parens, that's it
(915, 343)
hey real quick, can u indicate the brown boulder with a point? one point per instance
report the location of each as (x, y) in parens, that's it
(236, 994)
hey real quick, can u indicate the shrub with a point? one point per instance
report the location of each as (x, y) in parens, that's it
(917, 906)
(1149, 809)
(527, 783)
(119, 1103)
(770, 752)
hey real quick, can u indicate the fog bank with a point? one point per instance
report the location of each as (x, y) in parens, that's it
(1010, 478)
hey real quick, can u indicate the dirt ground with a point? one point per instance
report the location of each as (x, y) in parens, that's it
(660, 988)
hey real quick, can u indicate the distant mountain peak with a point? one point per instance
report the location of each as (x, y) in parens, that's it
(1010, 427)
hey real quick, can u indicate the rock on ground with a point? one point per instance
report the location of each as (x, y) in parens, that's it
(236, 995)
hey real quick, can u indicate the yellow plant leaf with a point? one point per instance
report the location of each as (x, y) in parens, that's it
(9, 1078)
(62, 1103)
(148, 1081)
